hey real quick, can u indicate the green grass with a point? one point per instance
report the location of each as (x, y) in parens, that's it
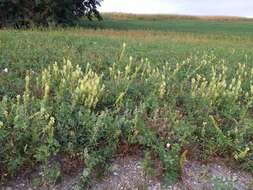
(22, 50)
(179, 95)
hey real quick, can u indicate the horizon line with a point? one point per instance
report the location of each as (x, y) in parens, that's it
(178, 14)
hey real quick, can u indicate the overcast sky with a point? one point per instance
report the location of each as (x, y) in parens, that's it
(185, 7)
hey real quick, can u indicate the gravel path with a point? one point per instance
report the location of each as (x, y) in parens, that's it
(128, 174)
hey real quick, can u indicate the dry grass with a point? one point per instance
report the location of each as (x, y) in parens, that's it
(159, 36)
(123, 16)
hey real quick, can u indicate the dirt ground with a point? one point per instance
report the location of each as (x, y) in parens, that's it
(127, 173)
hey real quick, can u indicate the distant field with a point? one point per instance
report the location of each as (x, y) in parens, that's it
(185, 83)
(229, 25)
(122, 16)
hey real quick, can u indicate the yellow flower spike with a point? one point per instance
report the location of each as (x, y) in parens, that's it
(162, 90)
(122, 51)
(52, 121)
(110, 69)
(224, 84)
(18, 99)
(69, 64)
(251, 89)
(1, 124)
(193, 81)
(27, 82)
(198, 77)
(64, 68)
(46, 93)
(6, 114)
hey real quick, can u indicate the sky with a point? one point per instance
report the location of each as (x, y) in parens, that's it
(242, 8)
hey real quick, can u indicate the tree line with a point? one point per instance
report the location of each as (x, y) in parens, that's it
(27, 13)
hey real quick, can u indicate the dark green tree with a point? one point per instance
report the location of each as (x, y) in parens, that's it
(25, 13)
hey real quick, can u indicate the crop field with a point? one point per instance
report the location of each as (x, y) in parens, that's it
(177, 88)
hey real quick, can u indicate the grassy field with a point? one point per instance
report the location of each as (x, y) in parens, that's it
(199, 25)
(176, 87)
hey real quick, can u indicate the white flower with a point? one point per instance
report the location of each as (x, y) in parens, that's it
(168, 145)
(6, 70)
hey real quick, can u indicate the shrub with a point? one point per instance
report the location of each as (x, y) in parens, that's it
(57, 115)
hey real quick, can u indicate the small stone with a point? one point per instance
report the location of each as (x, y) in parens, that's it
(115, 173)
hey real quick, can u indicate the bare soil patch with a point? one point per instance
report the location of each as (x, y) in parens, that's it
(127, 173)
